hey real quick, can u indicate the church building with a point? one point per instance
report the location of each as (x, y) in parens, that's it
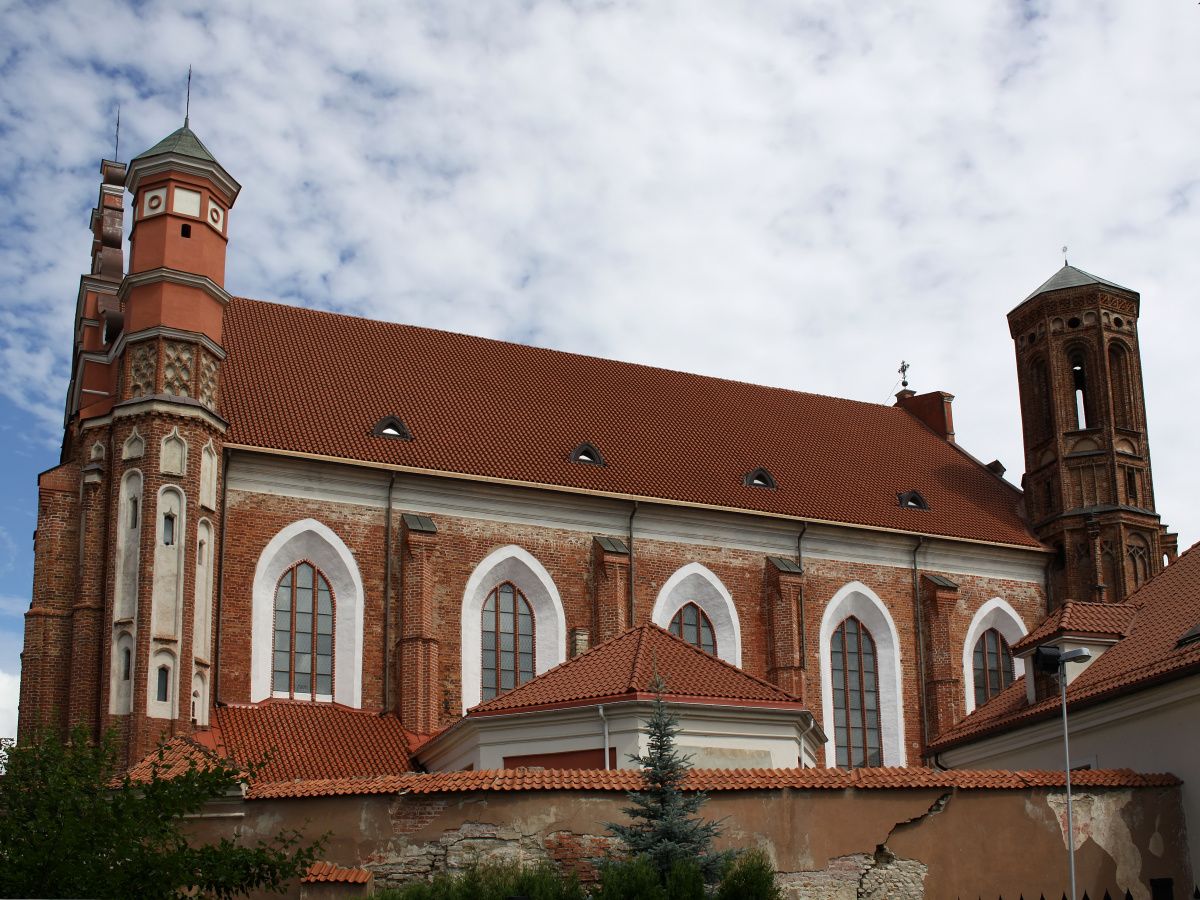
(277, 526)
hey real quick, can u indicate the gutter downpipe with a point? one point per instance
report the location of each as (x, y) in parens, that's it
(600, 708)
(632, 513)
(920, 645)
(803, 636)
(216, 693)
(387, 603)
(812, 723)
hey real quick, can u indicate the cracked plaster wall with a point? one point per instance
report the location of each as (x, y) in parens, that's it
(827, 844)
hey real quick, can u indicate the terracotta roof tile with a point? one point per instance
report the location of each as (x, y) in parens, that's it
(310, 741)
(1083, 619)
(325, 871)
(174, 758)
(535, 779)
(624, 667)
(486, 408)
(1157, 616)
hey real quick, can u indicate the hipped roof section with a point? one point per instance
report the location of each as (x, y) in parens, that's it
(624, 668)
(311, 382)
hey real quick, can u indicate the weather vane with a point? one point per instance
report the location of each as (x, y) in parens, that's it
(1064, 254)
(117, 142)
(903, 370)
(187, 110)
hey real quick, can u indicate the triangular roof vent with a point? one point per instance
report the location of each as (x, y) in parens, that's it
(759, 478)
(587, 453)
(392, 427)
(912, 500)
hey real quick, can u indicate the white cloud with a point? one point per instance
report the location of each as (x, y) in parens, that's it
(798, 195)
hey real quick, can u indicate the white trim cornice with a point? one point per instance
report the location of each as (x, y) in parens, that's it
(166, 403)
(173, 276)
(147, 167)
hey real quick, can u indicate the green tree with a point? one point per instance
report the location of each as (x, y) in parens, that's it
(665, 827)
(72, 825)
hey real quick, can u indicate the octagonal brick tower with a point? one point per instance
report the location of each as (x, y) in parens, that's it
(122, 628)
(1088, 486)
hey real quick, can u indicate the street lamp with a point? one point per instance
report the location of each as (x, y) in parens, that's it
(1053, 661)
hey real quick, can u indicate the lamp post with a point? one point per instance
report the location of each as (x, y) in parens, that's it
(1053, 661)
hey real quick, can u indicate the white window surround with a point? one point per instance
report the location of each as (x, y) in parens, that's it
(997, 614)
(695, 583)
(858, 600)
(310, 540)
(518, 566)
(162, 709)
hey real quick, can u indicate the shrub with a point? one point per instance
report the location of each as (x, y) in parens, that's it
(492, 880)
(750, 877)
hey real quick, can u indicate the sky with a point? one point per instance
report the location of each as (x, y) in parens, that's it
(800, 194)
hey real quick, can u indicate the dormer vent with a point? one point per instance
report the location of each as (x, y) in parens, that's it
(912, 500)
(588, 454)
(392, 427)
(759, 478)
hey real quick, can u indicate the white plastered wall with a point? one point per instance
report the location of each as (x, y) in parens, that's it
(516, 565)
(315, 542)
(996, 613)
(858, 600)
(694, 583)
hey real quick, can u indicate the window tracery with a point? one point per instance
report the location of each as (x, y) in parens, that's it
(303, 647)
(691, 624)
(506, 656)
(993, 666)
(855, 696)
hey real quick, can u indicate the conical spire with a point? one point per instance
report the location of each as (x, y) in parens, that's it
(182, 142)
(1069, 277)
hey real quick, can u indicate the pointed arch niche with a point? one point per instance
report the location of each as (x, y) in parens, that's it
(522, 570)
(315, 542)
(997, 614)
(695, 583)
(858, 600)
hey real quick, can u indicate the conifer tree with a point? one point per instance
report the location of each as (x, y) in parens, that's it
(665, 827)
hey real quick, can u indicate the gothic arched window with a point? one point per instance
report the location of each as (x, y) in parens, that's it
(855, 696)
(993, 666)
(507, 641)
(303, 665)
(691, 624)
(1122, 396)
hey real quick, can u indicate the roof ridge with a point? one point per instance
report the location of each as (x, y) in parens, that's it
(637, 658)
(723, 662)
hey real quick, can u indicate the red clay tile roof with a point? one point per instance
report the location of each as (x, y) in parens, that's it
(490, 409)
(623, 668)
(535, 779)
(1164, 610)
(324, 871)
(1107, 620)
(313, 740)
(174, 758)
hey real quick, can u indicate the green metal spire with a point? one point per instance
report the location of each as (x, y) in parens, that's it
(183, 142)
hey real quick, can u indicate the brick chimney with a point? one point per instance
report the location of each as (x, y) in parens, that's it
(933, 409)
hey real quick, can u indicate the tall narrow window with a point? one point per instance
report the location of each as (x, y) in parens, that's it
(1041, 416)
(855, 696)
(168, 530)
(507, 645)
(133, 512)
(1079, 390)
(993, 666)
(126, 664)
(303, 664)
(1122, 397)
(691, 624)
(1131, 487)
(164, 683)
